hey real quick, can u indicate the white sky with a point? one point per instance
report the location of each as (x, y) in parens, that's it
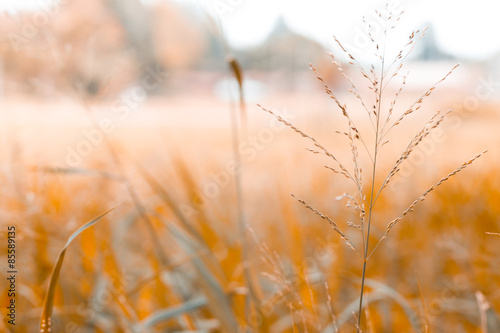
(467, 29)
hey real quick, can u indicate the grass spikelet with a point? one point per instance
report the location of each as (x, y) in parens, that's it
(237, 72)
(429, 190)
(331, 222)
(316, 143)
(417, 139)
(418, 103)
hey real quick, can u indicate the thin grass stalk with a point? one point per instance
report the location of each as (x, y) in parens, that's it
(236, 122)
(140, 207)
(160, 250)
(370, 211)
(236, 126)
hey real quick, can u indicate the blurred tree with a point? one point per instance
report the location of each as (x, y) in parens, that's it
(289, 53)
(137, 21)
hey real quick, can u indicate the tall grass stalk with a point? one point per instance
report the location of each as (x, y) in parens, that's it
(383, 120)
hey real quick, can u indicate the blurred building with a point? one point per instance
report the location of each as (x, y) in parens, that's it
(429, 50)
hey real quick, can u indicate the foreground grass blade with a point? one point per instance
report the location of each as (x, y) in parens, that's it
(220, 305)
(381, 292)
(48, 303)
(175, 311)
(78, 171)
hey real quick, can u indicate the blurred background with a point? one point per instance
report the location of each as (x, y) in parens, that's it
(135, 102)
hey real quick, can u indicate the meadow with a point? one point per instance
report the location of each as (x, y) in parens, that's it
(144, 200)
(429, 276)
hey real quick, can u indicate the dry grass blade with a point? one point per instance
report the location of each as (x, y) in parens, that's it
(358, 172)
(162, 315)
(238, 177)
(400, 59)
(130, 188)
(417, 139)
(330, 92)
(441, 181)
(381, 292)
(157, 274)
(394, 101)
(354, 90)
(354, 60)
(490, 322)
(343, 107)
(78, 171)
(336, 171)
(316, 143)
(217, 297)
(484, 306)
(170, 202)
(422, 197)
(332, 223)
(418, 103)
(330, 310)
(48, 304)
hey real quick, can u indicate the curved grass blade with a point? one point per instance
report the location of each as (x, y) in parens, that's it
(381, 292)
(78, 171)
(48, 303)
(216, 296)
(172, 312)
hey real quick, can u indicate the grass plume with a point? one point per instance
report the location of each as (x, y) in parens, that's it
(381, 119)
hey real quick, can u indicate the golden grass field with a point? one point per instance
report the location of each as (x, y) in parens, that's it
(438, 271)
(141, 194)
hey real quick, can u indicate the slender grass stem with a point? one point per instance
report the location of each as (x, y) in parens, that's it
(374, 172)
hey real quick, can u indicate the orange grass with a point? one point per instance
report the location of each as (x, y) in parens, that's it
(112, 280)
